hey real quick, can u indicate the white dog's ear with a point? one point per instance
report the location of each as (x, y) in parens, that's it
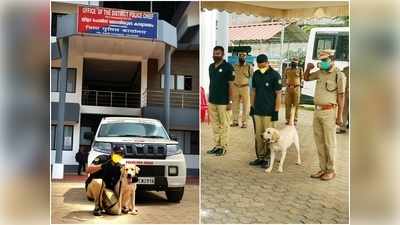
(137, 169)
(275, 135)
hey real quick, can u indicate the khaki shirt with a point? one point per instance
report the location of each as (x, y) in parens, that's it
(293, 76)
(329, 84)
(242, 73)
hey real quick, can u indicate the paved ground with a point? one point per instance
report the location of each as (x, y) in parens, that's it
(234, 192)
(69, 205)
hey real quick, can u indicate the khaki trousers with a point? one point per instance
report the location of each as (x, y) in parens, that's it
(94, 192)
(345, 114)
(220, 124)
(240, 92)
(262, 123)
(292, 99)
(324, 125)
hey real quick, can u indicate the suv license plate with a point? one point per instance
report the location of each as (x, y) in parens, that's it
(146, 180)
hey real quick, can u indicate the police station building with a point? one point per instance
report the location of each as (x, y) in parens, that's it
(116, 55)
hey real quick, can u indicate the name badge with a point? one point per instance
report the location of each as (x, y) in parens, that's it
(220, 70)
(267, 84)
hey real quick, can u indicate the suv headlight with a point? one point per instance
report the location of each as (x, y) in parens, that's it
(103, 147)
(173, 150)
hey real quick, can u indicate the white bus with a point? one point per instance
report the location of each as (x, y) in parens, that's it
(336, 38)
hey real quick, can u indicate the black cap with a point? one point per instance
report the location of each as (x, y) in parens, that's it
(262, 58)
(118, 149)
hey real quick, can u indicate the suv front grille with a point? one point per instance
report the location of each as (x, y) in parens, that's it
(144, 151)
(151, 171)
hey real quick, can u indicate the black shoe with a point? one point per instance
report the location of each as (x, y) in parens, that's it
(256, 162)
(212, 151)
(265, 164)
(97, 212)
(220, 152)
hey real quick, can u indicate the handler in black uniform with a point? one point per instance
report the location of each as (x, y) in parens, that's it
(265, 102)
(104, 175)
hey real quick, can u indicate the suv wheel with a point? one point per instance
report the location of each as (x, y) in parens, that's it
(175, 195)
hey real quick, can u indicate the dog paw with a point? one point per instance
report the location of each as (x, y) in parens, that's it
(268, 171)
(280, 170)
(298, 163)
(134, 212)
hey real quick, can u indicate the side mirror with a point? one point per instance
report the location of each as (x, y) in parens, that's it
(173, 137)
(88, 135)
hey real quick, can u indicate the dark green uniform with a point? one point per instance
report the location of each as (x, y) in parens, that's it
(219, 83)
(219, 99)
(266, 84)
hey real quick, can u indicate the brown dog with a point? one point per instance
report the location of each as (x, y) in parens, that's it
(129, 177)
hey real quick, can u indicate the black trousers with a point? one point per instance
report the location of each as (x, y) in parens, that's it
(81, 166)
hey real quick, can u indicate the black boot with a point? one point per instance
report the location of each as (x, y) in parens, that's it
(97, 212)
(220, 152)
(256, 162)
(265, 164)
(212, 151)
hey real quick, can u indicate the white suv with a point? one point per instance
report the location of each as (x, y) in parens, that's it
(147, 144)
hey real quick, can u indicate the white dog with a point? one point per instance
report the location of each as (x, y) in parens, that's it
(281, 140)
(129, 174)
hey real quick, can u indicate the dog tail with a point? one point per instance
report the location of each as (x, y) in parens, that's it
(292, 113)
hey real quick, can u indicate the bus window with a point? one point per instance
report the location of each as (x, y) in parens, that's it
(342, 48)
(323, 41)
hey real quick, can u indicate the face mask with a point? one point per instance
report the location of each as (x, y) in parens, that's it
(116, 158)
(241, 60)
(217, 58)
(324, 65)
(263, 69)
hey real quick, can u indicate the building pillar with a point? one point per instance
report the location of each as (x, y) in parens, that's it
(58, 166)
(167, 92)
(143, 83)
(222, 31)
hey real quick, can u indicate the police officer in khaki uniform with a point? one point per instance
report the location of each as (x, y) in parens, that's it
(293, 80)
(240, 90)
(221, 76)
(329, 100)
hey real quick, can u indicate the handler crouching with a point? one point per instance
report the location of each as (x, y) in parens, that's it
(103, 182)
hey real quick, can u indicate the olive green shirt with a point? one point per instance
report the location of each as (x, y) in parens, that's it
(219, 83)
(329, 85)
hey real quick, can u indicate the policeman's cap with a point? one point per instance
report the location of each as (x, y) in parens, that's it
(262, 58)
(324, 54)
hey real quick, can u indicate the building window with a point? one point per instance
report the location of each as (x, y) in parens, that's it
(67, 140)
(194, 142)
(323, 41)
(54, 18)
(183, 82)
(71, 79)
(171, 82)
(53, 137)
(54, 79)
(342, 48)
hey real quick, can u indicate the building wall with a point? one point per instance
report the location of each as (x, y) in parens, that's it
(186, 63)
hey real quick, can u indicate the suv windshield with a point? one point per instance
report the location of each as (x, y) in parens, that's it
(132, 130)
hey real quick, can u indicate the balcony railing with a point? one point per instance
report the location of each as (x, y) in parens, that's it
(178, 99)
(111, 98)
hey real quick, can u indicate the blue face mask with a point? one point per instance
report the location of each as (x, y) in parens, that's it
(324, 65)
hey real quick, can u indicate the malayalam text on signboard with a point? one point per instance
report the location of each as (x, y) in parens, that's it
(117, 22)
